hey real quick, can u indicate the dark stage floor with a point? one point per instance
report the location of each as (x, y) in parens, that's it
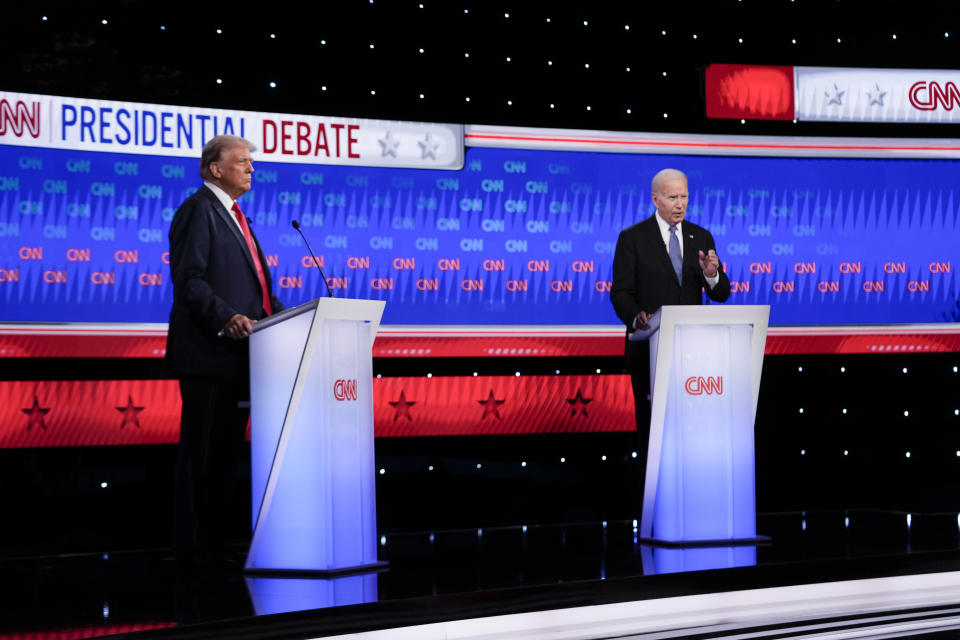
(446, 575)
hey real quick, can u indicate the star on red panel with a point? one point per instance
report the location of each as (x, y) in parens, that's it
(36, 413)
(130, 413)
(402, 406)
(490, 406)
(579, 400)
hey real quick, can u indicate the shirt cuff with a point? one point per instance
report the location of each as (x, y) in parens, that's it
(713, 281)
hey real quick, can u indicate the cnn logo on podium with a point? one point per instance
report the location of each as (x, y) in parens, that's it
(345, 390)
(698, 385)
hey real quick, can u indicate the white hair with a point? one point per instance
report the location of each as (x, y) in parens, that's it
(666, 174)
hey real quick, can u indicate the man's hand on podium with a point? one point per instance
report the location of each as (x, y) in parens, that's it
(709, 263)
(239, 326)
(641, 321)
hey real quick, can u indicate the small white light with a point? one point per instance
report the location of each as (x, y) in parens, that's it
(465, 10)
(843, 369)
(740, 40)
(845, 452)
(373, 92)
(586, 65)
(909, 519)
(955, 369)
(106, 610)
(588, 107)
(162, 28)
(509, 103)
(549, 63)
(946, 34)
(523, 463)
(604, 458)
(466, 55)
(844, 412)
(803, 452)
(474, 374)
(664, 74)
(551, 105)
(524, 528)
(958, 454)
(664, 32)
(956, 412)
(371, 45)
(627, 27)
(664, 115)
(378, 376)
(44, 18)
(273, 36)
(273, 85)
(104, 21)
(629, 111)
(908, 454)
(633, 455)
(103, 485)
(742, 121)
(429, 375)
(430, 468)
(479, 465)
(382, 471)
(604, 524)
(800, 369)
(468, 98)
(323, 42)
(548, 19)
(479, 532)
(218, 30)
(794, 41)
(585, 23)
(506, 15)
(219, 81)
(431, 538)
(906, 414)
(508, 58)
(323, 88)
(801, 409)
(904, 369)
(558, 372)
(838, 40)
(694, 36)
(628, 69)
(598, 370)
(105, 556)
(894, 36)
(383, 541)
(516, 374)
(803, 525)
(563, 459)
(846, 522)
(421, 49)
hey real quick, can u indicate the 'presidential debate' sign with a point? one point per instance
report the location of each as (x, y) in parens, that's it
(515, 236)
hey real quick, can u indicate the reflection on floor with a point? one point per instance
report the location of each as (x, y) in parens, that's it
(445, 575)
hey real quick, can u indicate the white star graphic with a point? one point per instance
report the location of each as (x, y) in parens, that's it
(388, 145)
(836, 97)
(876, 95)
(428, 148)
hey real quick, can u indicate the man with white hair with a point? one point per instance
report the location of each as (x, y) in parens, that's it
(221, 286)
(661, 260)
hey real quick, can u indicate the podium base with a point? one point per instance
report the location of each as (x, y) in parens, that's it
(692, 544)
(373, 567)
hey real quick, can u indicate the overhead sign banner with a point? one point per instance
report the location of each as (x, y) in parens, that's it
(838, 94)
(162, 130)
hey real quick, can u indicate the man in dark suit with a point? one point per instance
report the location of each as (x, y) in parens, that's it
(661, 260)
(221, 286)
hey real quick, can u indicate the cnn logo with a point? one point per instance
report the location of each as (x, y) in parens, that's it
(698, 385)
(345, 390)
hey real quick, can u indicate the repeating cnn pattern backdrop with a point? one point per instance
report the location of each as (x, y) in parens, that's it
(515, 237)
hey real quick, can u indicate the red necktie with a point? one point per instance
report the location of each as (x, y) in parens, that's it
(242, 219)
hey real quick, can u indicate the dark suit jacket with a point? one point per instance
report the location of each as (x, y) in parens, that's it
(643, 276)
(213, 279)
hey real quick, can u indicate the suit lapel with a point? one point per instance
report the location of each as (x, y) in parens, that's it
(231, 222)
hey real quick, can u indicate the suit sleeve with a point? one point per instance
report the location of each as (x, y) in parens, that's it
(190, 245)
(721, 291)
(623, 291)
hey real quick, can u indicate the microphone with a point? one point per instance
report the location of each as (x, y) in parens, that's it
(296, 225)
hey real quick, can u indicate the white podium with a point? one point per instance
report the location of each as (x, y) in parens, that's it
(705, 365)
(311, 439)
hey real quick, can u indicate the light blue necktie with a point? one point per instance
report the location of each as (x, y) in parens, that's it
(675, 257)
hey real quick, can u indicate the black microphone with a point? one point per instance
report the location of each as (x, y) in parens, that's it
(296, 225)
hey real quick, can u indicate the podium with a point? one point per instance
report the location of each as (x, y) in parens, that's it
(311, 439)
(705, 365)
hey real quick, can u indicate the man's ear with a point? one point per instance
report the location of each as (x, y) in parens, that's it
(215, 170)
